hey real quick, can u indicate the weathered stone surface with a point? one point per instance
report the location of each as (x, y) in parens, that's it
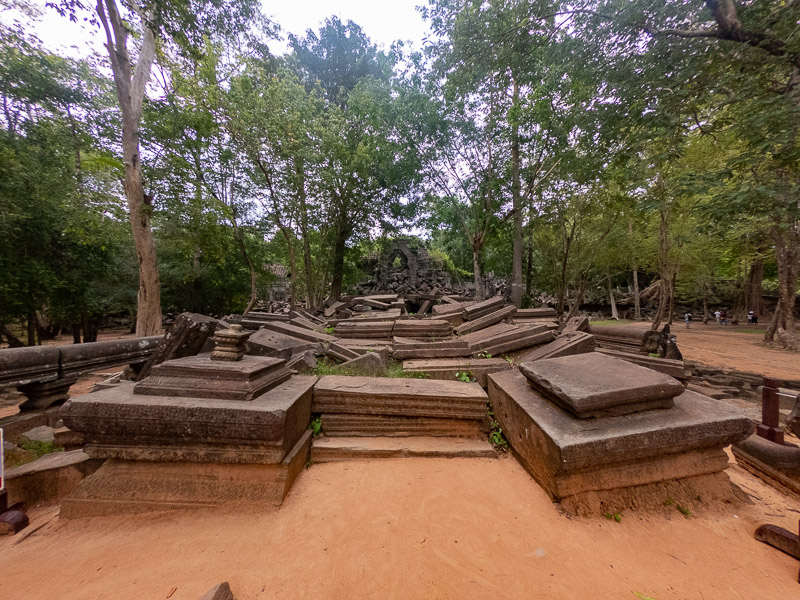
(416, 349)
(229, 343)
(43, 433)
(50, 477)
(793, 420)
(350, 425)
(13, 521)
(625, 339)
(130, 486)
(402, 397)
(120, 424)
(307, 324)
(302, 363)
(42, 395)
(82, 358)
(422, 328)
(567, 455)
(21, 365)
(15, 425)
(300, 333)
(64, 437)
(566, 344)
(475, 311)
(486, 320)
(776, 463)
(331, 310)
(577, 324)
(450, 308)
(341, 352)
(446, 368)
(199, 377)
(595, 385)
(505, 337)
(186, 337)
(544, 312)
(266, 342)
(221, 591)
(330, 449)
(370, 363)
(366, 329)
(673, 368)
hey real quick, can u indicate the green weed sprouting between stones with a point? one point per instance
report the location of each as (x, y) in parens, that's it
(683, 510)
(316, 426)
(40, 448)
(613, 517)
(484, 354)
(497, 438)
(465, 376)
(393, 369)
(330, 330)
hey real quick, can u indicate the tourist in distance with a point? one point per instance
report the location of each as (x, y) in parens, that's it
(717, 316)
(688, 318)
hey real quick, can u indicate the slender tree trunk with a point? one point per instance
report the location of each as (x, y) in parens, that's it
(672, 297)
(516, 195)
(338, 261)
(529, 270)
(31, 328)
(637, 299)
(614, 313)
(292, 266)
(706, 312)
(307, 264)
(130, 84)
(755, 291)
(477, 274)
(239, 235)
(76, 333)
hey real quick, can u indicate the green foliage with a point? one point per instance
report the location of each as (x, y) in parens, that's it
(40, 448)
(613, 517)
(316, 426)
(465, 376)
(497, 437)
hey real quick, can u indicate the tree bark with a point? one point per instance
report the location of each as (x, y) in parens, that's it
(477, 274)
(755, 290)
(614, 313)
(516, 195)
(130, 84)
(338, 261)
(307, 264)
(637, 299)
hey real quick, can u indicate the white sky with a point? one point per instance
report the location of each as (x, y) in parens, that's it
(384, 21)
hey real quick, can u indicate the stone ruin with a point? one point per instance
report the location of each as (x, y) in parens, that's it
(405, 270)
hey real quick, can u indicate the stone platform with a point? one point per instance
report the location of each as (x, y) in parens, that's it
(569, 456)
(124, 486)
(330, 449)
(120, 424)
(399, 397)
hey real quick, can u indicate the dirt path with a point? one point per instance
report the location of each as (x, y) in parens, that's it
(732, 347)
(409, 528)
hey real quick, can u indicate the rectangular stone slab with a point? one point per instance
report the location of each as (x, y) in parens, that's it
(553, 445)
(265, 342)
(566, 344)
(200, 377)
(402, 397)
(446, 349)
(446, 368)
(519, 342)
(476, 338)
(372, 329)
(418, 328)
(298, 332)
(350, 425)
(544, 312)
(486, 320)
(475, 311)
(596, 385)
(120, 424)
(673, 368)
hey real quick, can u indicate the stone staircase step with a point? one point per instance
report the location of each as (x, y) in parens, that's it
(330, 449)
(400, 397)
(344, 425)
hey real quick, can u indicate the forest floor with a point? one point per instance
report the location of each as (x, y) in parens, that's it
(409, 528)
(737, 347)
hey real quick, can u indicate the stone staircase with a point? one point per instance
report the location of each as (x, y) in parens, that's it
(369, 417)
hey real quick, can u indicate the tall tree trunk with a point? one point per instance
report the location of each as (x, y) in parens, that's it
(755, 290)
(477, 274)
(516, 195)
(130, 84)
(614, 313)
(672, 297)
(307, 264)
(637, 299)
(76, 333)
(787, 255)
(529, 270)
(338, 261)
(31, 328)
(292, 267)
(239, 235)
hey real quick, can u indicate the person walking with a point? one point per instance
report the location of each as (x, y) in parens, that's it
(723, 317)
(751, 317)
(688, 318)
(717, 315)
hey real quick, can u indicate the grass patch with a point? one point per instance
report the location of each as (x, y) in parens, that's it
(394, 369)
(613, 322)
(40, 448)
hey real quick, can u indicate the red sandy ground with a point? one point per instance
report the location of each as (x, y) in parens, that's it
(425, 528)
(731, 347)
(409, 528)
